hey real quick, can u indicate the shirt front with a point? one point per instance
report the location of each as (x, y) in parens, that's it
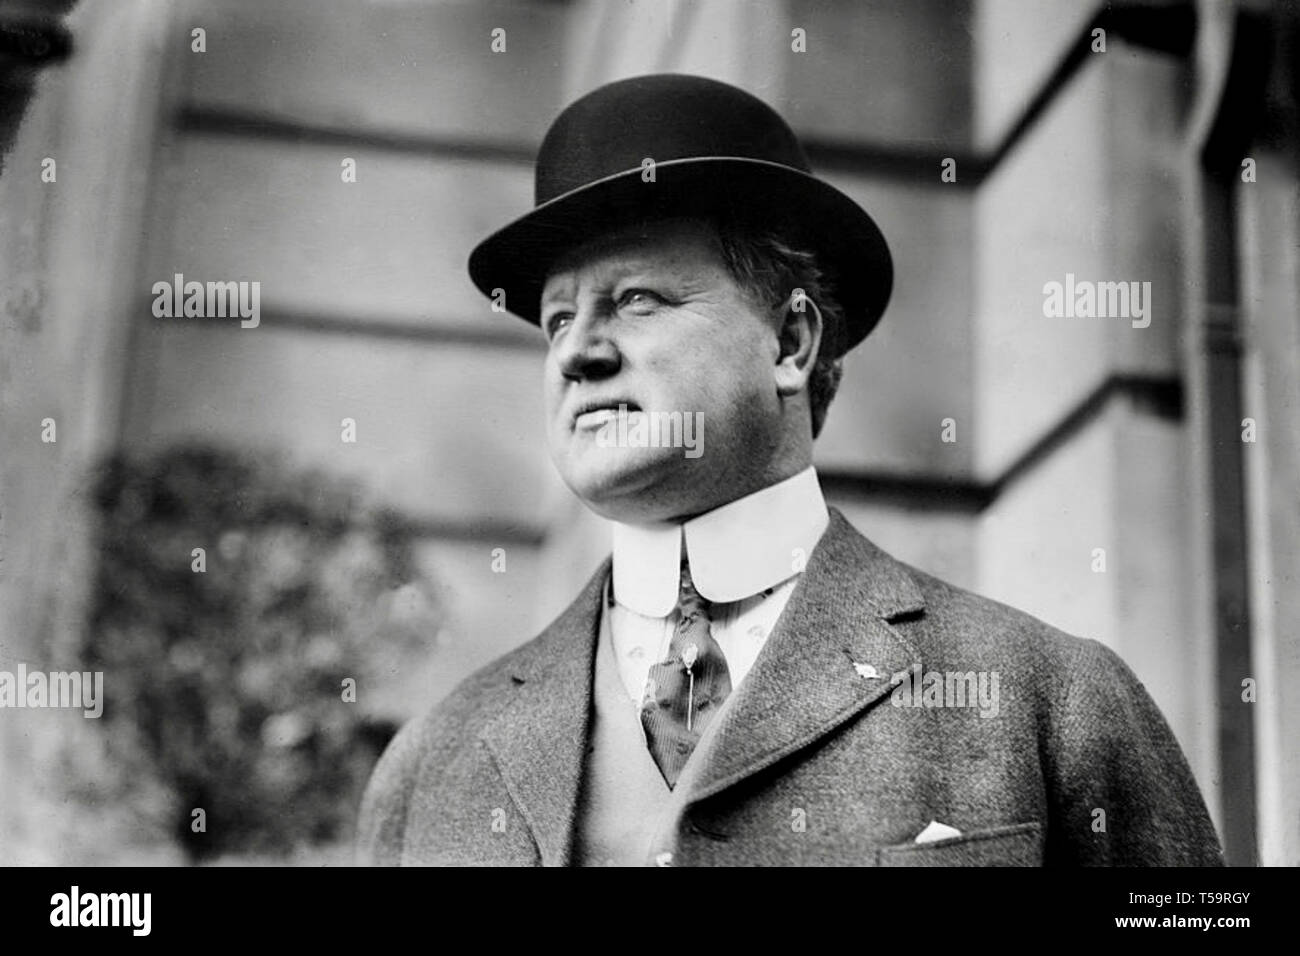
(745, 558)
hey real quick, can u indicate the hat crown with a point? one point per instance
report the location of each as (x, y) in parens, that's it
(661, 117)
(720, 153)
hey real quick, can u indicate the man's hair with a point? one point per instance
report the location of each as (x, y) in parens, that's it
(769, 268)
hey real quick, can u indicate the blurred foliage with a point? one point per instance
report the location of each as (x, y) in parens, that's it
(224, 689)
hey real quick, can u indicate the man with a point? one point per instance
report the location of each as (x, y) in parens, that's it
(748, 680)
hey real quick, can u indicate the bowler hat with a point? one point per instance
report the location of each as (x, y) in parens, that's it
(675, 145)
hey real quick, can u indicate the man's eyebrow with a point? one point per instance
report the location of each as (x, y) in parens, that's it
(634, 266)
(557, 291)
(652, 268)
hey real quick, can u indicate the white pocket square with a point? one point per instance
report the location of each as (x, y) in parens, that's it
(934, 830)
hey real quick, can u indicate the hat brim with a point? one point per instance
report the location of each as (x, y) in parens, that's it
(804, 209)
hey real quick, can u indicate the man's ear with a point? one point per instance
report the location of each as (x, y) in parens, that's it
(799, 341)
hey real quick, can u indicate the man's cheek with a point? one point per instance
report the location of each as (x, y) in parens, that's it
(558, 440)
(552, 402)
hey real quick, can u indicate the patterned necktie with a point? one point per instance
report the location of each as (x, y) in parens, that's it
(685, 691)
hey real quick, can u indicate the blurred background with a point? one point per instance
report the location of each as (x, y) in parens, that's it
(1102, 477)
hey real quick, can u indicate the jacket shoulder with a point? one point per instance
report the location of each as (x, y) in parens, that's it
(964, 624)
(1103, 742)
(452, 725)
(470, 703)
(1057, 670)
(432, 736)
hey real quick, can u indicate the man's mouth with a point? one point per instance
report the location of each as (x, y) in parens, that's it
(595, 413)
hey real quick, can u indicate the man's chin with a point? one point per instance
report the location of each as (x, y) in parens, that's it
(628, 484)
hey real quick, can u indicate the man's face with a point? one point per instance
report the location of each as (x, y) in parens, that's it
(650, 318)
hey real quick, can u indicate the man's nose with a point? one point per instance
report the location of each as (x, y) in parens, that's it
(586, 351)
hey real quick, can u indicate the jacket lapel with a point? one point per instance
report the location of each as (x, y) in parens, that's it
(539, 738)
(805, 683)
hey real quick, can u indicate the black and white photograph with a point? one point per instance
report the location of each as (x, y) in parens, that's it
(666, 433)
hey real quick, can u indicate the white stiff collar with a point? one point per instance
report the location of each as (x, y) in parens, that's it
(735, 551)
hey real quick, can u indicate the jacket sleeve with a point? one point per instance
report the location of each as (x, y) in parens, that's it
(1121, 791)
(381, 827)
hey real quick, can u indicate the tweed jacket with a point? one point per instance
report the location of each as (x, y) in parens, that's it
(829, 752)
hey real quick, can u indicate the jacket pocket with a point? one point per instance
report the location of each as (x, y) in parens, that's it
(1018, 845)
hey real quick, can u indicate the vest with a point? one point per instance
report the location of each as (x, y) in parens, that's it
(623, 802)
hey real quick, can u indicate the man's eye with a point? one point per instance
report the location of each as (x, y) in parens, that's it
(640, 300)
(554, 321)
